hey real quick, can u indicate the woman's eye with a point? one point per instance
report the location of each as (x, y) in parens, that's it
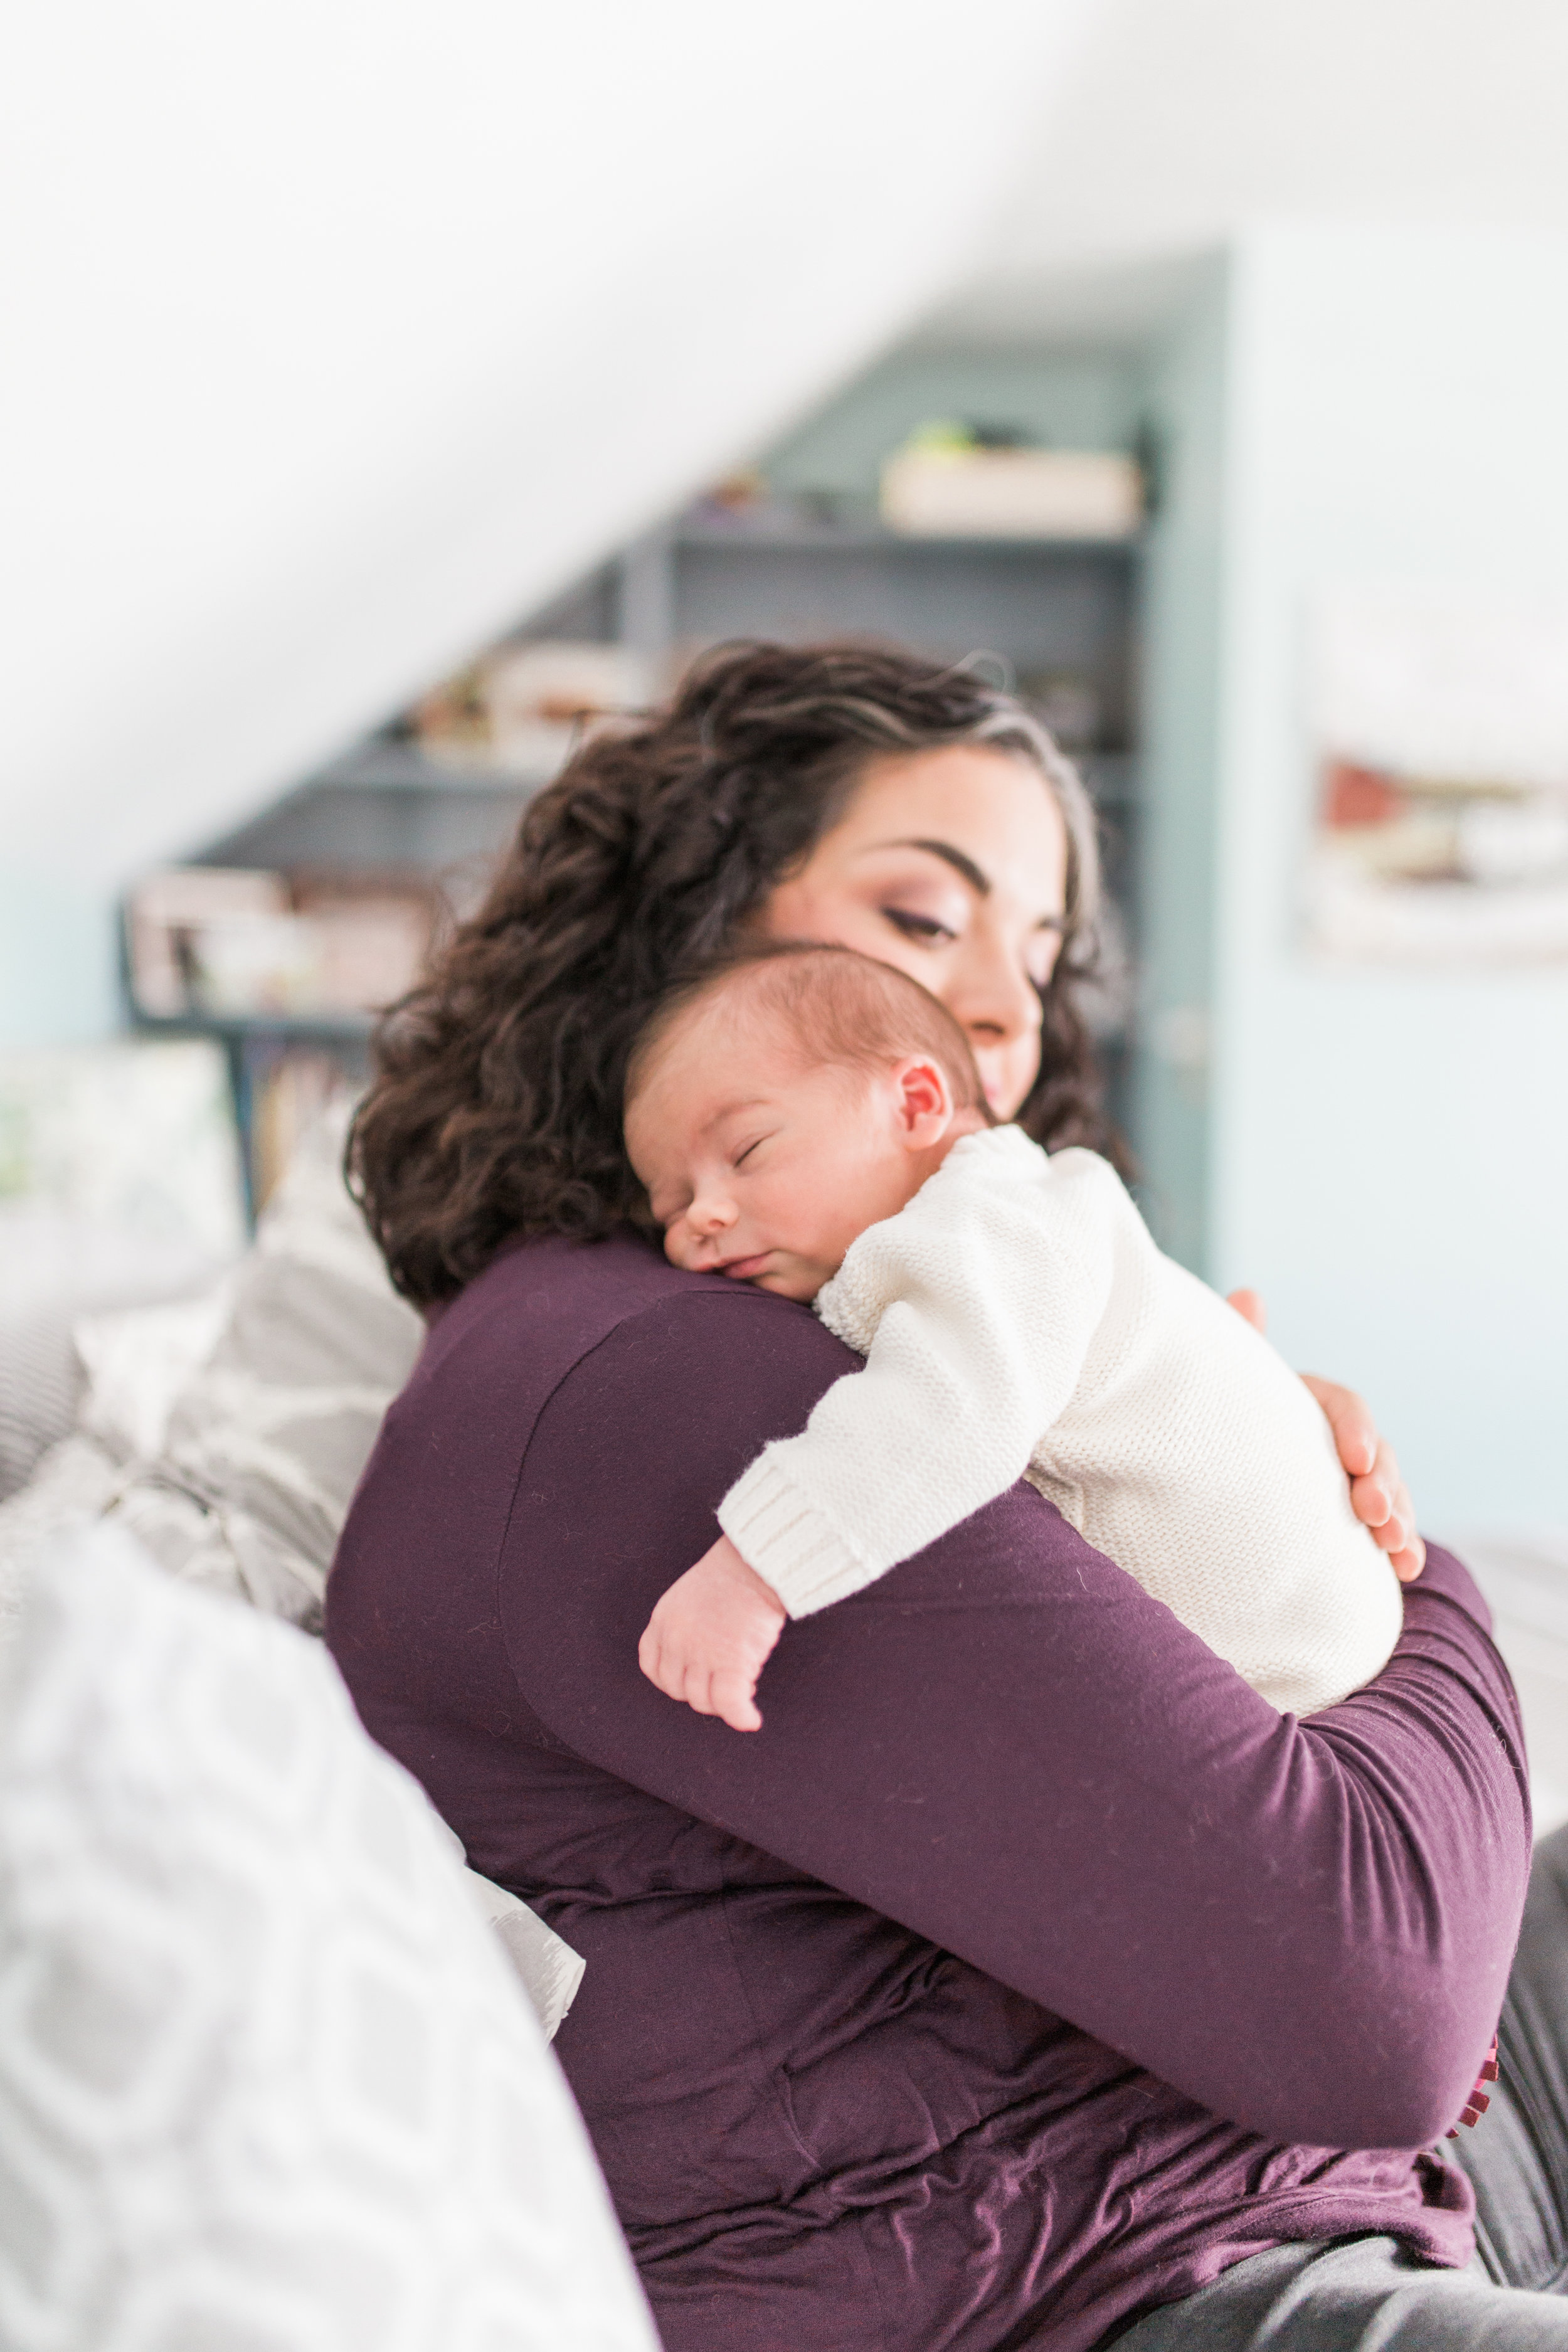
(917, 926)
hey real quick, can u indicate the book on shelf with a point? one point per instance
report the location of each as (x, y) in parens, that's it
(950, 491)
(521, 708)
(232, 945)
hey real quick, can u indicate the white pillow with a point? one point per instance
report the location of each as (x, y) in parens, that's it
(263, 1446)
(137, 1361)
(267, 2085)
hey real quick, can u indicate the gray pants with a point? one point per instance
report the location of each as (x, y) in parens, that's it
(1367, 2294)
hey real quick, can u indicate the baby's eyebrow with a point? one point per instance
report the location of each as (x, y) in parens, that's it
(732, 1110)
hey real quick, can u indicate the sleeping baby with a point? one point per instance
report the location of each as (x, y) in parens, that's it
(811, 1122)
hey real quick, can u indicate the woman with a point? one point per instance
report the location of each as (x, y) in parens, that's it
(1044, 1982)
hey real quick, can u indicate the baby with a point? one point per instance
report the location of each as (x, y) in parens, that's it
(812, 1122)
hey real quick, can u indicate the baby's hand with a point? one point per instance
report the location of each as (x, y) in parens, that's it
(711, 1635)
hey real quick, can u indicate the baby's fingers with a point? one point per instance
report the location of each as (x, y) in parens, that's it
(696, 1688)
(663, 1662)
(732, 1692)
(650, 1650)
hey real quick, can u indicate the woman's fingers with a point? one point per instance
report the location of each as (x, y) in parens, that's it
(1381, 1498)
(1379, 1495)
(1249, 1306)
(1408, 1563)
(1382, 1502)
(1355, 1432)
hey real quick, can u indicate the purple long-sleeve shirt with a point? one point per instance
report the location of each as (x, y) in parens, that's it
(1026, 1968)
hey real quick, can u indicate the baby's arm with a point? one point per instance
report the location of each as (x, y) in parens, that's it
(975, 1308)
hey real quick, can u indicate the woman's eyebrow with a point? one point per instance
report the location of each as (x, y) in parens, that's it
(978, 881)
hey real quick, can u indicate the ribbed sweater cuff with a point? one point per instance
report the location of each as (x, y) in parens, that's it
(791, 1544)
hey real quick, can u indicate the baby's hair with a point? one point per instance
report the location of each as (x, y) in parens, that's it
(845, 1009)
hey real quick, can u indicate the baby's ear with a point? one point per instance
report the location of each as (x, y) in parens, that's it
(924, 1101)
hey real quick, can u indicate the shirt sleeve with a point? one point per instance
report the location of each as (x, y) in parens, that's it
(975, 1308)
(1010, 1748)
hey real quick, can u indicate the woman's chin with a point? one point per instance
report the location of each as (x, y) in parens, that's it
(1007, 1086)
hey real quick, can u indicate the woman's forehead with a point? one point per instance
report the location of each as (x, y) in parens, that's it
(978, 793)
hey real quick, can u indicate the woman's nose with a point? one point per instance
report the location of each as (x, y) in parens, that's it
(994, 998)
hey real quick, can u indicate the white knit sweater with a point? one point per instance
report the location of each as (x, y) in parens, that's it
(1017, 1318)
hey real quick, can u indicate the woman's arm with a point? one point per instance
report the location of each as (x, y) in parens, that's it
(1010, 1748)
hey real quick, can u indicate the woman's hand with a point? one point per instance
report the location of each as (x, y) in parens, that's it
(1379, 1495)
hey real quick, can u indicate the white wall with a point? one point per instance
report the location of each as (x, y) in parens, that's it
(339, 334)
(1181, 119)
(1390, 1150)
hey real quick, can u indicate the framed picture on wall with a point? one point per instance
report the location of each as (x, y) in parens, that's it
(1438, 717)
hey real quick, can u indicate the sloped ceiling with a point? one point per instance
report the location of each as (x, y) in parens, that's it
(341, 331)
(1178, 119)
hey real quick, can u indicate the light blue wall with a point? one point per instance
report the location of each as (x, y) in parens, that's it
(1068, 400)
(57, 959)
(1389, 1149)
(1184, 399)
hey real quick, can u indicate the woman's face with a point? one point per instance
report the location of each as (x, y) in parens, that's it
(952, 865)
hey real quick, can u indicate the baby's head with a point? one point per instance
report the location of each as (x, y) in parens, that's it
(785, 1100)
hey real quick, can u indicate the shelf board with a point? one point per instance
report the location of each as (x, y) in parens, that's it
(874, 537)
(261, 1028)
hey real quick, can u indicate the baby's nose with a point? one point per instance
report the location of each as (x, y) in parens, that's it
(712, 1213)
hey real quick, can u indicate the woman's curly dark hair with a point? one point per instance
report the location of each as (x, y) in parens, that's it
(495, 1112)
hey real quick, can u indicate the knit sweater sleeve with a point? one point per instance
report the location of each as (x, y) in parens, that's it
(974, 1309)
